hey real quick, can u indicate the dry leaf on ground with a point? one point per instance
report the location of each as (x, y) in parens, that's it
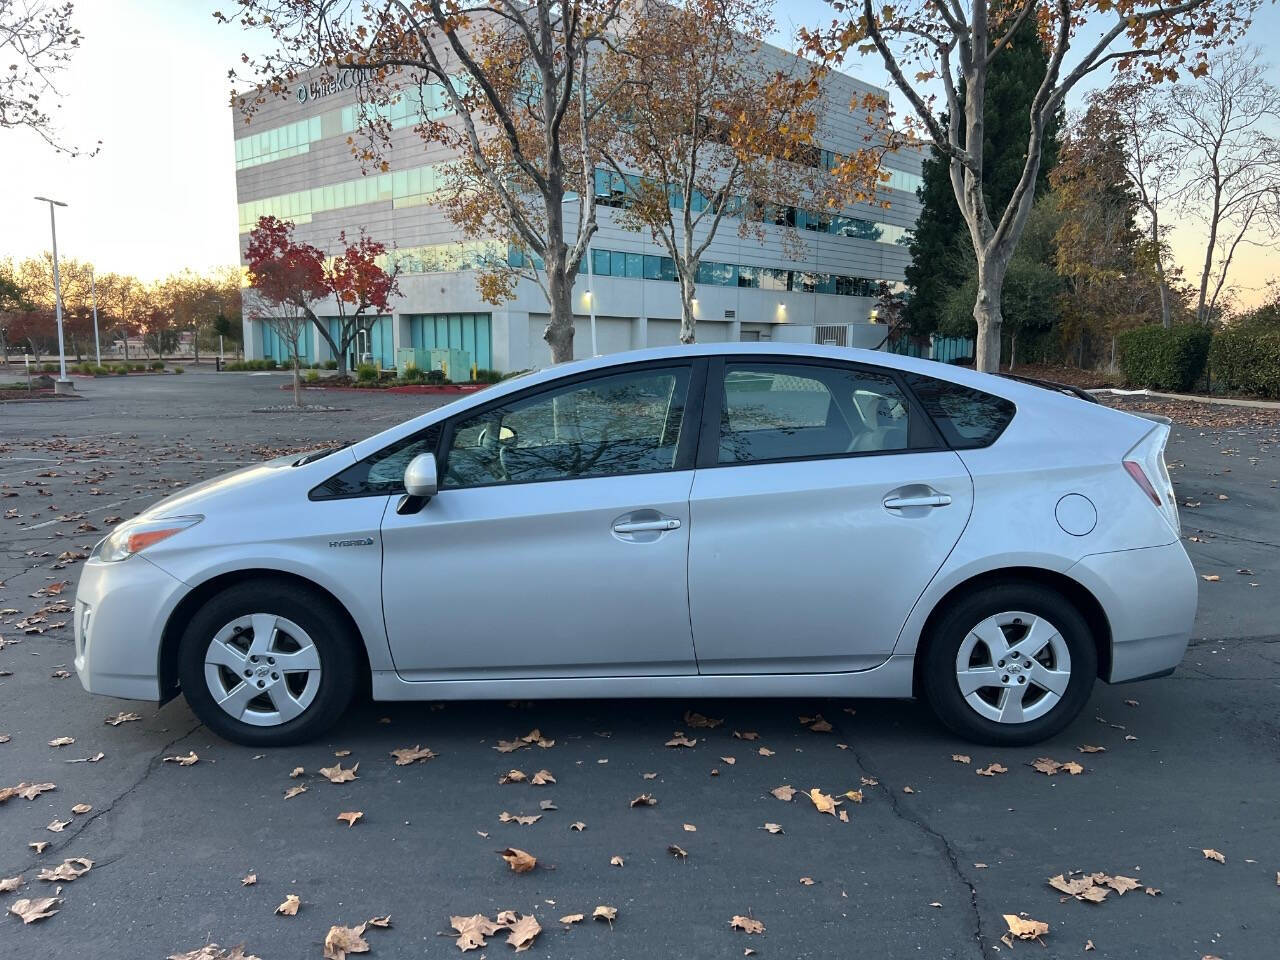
(572, 918)
(992, 770)
(519, 860)
(1024, 929)
(186, 761)
(784, 792)
(644, 800)
(746, 735)
(523, 931)
(677, 851)
(523, 820)
(961, 758)
(211, 951)
(10, 884)
(340, 941)
(295, 791)
(542, 778)
(297, 772)
(1210, 854)
(407, 755)
(615, 861)
(81, 808)
(604, 912)
(513, 776)
(823, 802)
(678, 739)
(339, 774)
(1090, 748)
(349, 817)
(380, 922)
(32, 910)
(772, 827)
(473, 930)
(68, 870)
(62, 741)
(578, 825)
(765, 752)
(746, 924)
(57, 826)
(290, 906)
(248, 880)
(698, 720)
(1051, 767)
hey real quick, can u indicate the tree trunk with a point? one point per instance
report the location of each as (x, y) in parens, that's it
(986, 311)
(297, 379)
(687, 290)
(559, 332)
(1013, 351)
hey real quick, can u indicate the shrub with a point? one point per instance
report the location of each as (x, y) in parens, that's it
(121, 370)
(179, 369)
(366, 373)
(488, 376)
(139, 367)
(157, 364)
(50, 368)
(411, 374)
(101, 371)
(312, 376)
(1247, 361)
(331, 364)
(435, 376)
(1161, 359)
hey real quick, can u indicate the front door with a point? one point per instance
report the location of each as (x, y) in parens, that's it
(558, 543)
(822, 506)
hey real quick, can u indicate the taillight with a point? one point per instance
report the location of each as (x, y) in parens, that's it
(1140, 478)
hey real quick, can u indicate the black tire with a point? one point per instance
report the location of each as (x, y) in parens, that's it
(316, 614)
(941, 688)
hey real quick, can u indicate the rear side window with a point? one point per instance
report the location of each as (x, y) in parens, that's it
(967, 418)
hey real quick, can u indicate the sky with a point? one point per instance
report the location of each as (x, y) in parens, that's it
(150, 82)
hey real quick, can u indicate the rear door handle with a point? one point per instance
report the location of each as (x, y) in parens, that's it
(932, 500)
(640, 526)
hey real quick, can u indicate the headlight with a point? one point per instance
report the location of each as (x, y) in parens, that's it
(134, 537)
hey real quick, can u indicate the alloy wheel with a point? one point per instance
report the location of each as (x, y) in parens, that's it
(1013, 667)
(262, 669)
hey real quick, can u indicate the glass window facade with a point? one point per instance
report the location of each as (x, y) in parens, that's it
(404, 188)
(276, 347)
(458, 331)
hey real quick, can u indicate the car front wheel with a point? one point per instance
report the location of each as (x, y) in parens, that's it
(267, 664)
(1009, 665)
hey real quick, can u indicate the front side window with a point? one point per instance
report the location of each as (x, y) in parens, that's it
(381, 473)
(790, 411)
(624, 423)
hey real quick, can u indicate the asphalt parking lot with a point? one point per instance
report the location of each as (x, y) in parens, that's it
(926, 865)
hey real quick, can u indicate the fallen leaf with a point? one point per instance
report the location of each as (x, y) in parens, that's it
(678, 739)
(32, 910)
(186, 761)
(66, 871)
(340, 941)
(290, 906)
(644, 800)
(211, 951)
(936, 904)
(1211, 854)
(381, 923)
(677, 851)
(690, 828)
(784, 792)
(338, 774)
(38, 845)
(523, 931)
(10, 884)
(1131, 703)
(407, 755)
(547, 805)
(524, 821)
(991, 770)
(806, 881)
(746, 924)
(728, 760)
(519, 860)
(295, 791)
(823, 802)
(297, 772)
(1025, 929)
(765, 752)
(473, 930)
(616, 861)
(908, 789)
(572, 918)
(1088, 945)
(1210, 577)
(961, 758)
(1050, 767)
(513, 776)
(118, 718)
(649, 776)
(248, 880)
(698, 720)
(772, 827)
(578, 825)
(349, 817)
(93, 759)
(80, 808)
(854, 795)
(1090, 748)
(746, 735)
(542, 778)
(57, 826)
(603, 912)
(342, 753)
(61, 741)
(1122, 885)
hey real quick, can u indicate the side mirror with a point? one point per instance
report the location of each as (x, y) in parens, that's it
(420, 483)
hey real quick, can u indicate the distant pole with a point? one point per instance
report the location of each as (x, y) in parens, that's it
(64, 384)
(97, 345)
(591, 300)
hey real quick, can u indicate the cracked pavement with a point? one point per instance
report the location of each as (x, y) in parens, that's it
(171, 843)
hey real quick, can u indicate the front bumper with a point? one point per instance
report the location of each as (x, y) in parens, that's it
(120, 612)
(1149, 596)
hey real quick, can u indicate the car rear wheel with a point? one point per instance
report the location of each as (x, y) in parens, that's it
(267, 664)
(1009, 665)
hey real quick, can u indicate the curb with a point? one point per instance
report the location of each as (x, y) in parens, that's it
(1190, 398)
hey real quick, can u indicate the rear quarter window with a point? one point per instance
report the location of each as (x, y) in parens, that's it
(966, 418)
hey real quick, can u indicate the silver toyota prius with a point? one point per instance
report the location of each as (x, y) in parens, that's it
(717, 520)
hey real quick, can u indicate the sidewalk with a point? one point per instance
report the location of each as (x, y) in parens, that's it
(1190, 398)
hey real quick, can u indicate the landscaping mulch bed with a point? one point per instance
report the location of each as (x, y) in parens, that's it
(1191, 414)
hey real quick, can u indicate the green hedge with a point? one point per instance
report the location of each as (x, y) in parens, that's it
(1246, 361)
(1161, 359)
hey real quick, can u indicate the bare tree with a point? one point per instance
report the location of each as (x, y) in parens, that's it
(37, 41)
(289, 321)
(952, 44)
(1220, 127)
(499, 81)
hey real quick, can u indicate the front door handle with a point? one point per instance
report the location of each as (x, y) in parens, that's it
(641, 526)
(931, 500)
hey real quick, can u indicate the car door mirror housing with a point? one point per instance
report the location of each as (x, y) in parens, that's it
(420, 483)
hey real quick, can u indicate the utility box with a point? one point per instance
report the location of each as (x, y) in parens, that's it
(454, 364)
(412, 355)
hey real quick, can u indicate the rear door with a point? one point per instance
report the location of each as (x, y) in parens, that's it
(823, 504)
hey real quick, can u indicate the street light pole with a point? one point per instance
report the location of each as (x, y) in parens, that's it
(97, 344)
(64, 384)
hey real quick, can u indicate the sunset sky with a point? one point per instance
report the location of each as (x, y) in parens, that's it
(151, 83)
